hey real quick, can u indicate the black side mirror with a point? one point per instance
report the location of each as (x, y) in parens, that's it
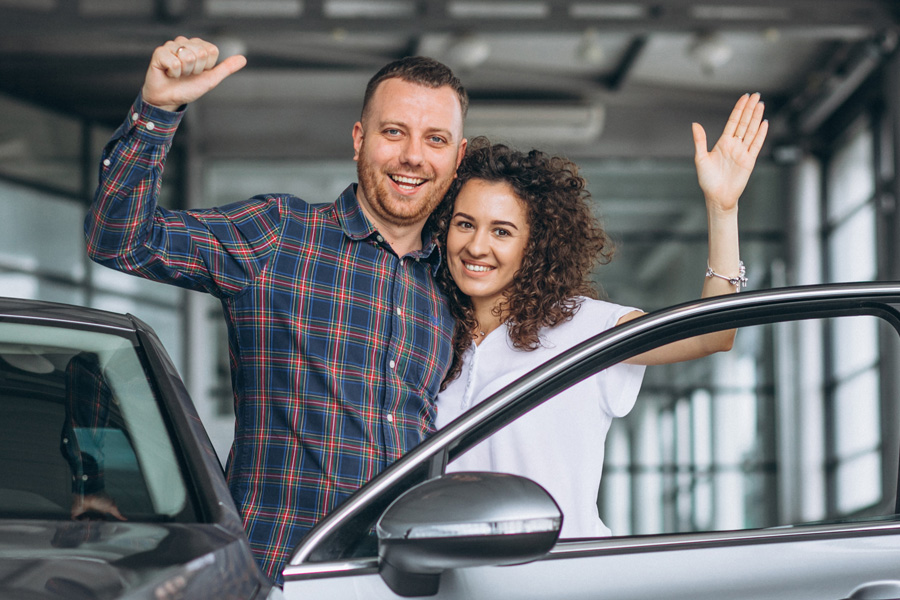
(463, 520)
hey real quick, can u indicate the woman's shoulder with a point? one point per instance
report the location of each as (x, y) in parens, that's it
(600, 308)
(590, 318)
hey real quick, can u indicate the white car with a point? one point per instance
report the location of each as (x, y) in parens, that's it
(415, 531)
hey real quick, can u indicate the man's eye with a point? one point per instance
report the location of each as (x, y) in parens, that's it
(436, 139)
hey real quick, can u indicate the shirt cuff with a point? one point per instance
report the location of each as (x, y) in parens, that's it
(151, 124)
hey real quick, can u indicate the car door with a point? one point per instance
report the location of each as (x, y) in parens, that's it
(793, 492)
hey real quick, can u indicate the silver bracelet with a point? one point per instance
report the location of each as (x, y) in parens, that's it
(738, 282)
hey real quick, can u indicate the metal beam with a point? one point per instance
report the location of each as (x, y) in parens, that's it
(411, 17)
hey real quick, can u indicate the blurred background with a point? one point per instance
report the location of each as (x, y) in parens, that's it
(613, 85)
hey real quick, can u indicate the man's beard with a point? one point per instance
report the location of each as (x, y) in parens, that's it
(389, 207)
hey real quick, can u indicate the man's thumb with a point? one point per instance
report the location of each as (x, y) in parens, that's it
(229, 66)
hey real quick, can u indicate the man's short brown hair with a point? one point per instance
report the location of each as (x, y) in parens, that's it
(420, 70)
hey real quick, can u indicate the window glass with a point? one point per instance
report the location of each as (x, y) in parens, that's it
(40, 146)
(851, 175)
(851, 247)
(79, 418)
(316, 182)
(41, 233)
(702, 447)
(165, 320)
(115, 282)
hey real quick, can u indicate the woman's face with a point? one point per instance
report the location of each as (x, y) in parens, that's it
(486, 240)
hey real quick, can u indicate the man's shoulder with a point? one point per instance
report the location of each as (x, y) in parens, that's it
(288, 205)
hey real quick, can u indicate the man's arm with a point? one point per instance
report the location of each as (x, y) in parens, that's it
(125, 229)
(88, 403)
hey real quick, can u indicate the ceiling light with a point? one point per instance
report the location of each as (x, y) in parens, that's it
(468, 51)
(529, 123)
(257, 8)
(365, 9)
(230, 46)
(710, 51)
(590, 50)
(498, 10)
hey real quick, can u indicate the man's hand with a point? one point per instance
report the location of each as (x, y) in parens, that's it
(724, 171)
(88, 505)
(182, 70)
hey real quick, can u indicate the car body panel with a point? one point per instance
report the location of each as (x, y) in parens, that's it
(778, 570)
(815, 561)
(201, 553)
(105, 559)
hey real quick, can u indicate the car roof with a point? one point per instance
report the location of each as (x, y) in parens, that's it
(20, 308)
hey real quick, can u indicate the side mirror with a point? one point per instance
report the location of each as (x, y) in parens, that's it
(463, 520)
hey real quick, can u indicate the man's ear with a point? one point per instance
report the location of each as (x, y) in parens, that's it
(462, 151)
(357, 139)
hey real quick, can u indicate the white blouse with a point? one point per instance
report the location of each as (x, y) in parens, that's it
(560, 443)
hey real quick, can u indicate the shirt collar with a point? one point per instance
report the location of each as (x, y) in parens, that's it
(357, 227)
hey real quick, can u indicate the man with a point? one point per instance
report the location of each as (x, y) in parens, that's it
(339, 337)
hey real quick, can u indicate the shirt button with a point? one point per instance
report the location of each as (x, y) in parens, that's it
(392, 364)
(106, 162)
(379, 238)
(390, 418)
(134, 116)
(150, 125)
(84, 477)
(399, 312)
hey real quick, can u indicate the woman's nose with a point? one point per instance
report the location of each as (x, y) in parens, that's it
(479, 244)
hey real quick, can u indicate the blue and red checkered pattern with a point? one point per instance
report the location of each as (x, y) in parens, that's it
(337, 345)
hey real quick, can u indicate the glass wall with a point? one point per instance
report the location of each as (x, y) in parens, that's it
(48, 166)
(850, 240)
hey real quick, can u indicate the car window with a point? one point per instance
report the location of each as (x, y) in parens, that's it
(797, 424)
(786, 428)
(79, 417)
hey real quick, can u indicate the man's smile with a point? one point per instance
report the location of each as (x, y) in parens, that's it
(407, 183)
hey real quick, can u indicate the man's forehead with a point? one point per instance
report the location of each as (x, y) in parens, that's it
(395, 88)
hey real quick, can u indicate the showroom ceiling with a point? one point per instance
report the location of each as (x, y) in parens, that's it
(589, 78)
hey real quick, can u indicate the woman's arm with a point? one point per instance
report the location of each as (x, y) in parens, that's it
(723, 173)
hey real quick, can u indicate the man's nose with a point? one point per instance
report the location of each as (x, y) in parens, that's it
(412, 152)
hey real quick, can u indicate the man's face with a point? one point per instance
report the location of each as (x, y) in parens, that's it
(407, 149)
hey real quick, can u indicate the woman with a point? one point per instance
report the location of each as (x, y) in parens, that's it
(521, 242)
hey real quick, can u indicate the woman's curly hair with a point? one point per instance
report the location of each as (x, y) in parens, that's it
(565, 242)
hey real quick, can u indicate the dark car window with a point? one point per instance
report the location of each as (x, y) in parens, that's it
(786, 428)
(79, 418)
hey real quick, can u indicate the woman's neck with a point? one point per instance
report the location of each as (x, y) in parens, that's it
(486, 319)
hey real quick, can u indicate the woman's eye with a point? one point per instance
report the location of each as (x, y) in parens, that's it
(501, 232)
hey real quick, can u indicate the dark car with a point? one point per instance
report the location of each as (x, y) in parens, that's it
(109, 487)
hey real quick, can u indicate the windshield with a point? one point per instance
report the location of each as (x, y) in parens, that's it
(80, 421)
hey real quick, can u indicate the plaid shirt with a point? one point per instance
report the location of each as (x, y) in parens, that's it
(337, 345)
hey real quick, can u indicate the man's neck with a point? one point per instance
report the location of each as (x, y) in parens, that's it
(402, 238)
